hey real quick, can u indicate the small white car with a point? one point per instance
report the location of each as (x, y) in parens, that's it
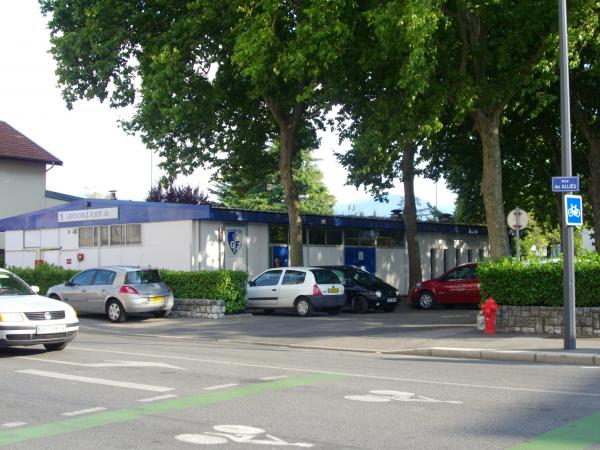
(30, 319)
(303, 289)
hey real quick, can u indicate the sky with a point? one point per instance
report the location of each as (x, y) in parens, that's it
(98, 156)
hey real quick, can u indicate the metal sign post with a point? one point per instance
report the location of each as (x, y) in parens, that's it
(517, 219)
(565, 134)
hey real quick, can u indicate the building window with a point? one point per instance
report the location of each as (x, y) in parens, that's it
(278, 234)
(457, 256)
(334, 237)
(134, 234)
(117, 235)
(470, 255)
(432, 262)
(316, 236)
(104, 235)
(446, 263)
(390, 239)
(351, 237)
(323, 236)
(481, 257)
(87, 237)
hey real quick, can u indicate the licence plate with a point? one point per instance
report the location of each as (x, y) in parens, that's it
(392, 300)
(333, 290)
(157, 299)
(49, 329)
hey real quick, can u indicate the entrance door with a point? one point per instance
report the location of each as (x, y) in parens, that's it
(363, 257)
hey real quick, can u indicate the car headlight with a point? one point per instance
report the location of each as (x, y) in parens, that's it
(71, 314)
(397, 293)
(11, 317)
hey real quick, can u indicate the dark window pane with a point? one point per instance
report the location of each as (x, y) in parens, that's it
(270, 278)
(278, 234)
(104, 237)
(334, 237)
(87, 237)
(134, 234)
(84, 278)
(316, 236)
(143, 277)
(323, 276)
(104, 277)
(351, 236)
(367, 237)
(117, 234)
(293, 277)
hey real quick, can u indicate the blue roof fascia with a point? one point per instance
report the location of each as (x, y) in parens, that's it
(129, 212)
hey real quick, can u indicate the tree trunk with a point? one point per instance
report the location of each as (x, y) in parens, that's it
(487, 124)
(410, 215)
(286, 137)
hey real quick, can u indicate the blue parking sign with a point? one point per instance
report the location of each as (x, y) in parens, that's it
(573, 210)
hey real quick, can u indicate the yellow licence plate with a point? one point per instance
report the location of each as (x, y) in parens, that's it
(157, 299)
(333, 290)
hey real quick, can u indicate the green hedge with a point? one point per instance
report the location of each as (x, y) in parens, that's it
(45, 276)
(539, 283)
(213, 285)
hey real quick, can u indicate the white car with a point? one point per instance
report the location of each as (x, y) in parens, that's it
(303, 289)
(30, 319)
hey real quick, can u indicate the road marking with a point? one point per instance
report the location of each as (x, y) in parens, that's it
(86, 422)
(111, 383)
(14, 424)
(241, 434)
(388, 396)
(344, 374)
(110, 363)
(160, 397)
(577, 435)
(280, 377)
(83, 411)
(220, 386)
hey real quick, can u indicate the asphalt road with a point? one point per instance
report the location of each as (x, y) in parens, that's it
(129, 391)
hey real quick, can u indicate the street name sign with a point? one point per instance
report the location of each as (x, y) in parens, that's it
(573, 210)
(565, 184)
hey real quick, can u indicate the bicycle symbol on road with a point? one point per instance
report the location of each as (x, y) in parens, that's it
(388, 396)
(573, 211)
(240, 434)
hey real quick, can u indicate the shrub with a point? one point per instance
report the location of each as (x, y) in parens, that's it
(213, 285)
(539, 283)
(44, 276)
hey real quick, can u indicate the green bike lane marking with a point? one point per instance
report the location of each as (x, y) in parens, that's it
(128, 414)
(579, 434)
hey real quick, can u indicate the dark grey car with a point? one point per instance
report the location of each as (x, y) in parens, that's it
(116, 291)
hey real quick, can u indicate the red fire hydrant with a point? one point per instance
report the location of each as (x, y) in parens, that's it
(489, 309)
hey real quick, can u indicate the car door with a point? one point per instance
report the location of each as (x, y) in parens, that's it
(290, 287)
(451, 288)
(75, 294)
(472, 292)
(99, 289)
(263, 290)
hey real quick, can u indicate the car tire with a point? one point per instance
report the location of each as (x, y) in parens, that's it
(56, 347)
(389, 308)
(303, 307)
(115, 311)
(54, 297)
(268, 311)
(333, 311)
(163, 313)
(361, 305)
(426, 300)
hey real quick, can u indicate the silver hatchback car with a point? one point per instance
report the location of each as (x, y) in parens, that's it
(116, 291)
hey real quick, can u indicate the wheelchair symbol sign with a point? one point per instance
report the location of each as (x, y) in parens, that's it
(573, 210)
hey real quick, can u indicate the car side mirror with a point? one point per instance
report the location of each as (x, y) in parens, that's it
(35, 289)
(69, 283)
(251, 283)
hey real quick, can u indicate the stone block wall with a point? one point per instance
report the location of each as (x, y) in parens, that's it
(199, 308)
(546, 320)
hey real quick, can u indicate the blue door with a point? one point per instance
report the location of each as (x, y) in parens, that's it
(363, 257)
(279, 256)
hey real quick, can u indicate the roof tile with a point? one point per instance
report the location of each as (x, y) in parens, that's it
(14, 145)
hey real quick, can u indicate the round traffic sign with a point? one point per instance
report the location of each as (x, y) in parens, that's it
(517, 219)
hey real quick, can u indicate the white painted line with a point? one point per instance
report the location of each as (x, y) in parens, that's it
(14, 424)
(83, 411)
(346, 374)
(110, 363)
(590, 367)
(111, 383)
(160, 397)
(280, 377)
(221, 386)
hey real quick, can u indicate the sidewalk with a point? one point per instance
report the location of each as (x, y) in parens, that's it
(437, 333)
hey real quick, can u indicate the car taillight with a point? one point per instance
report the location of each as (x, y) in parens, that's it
(316, 290)
(127, 290)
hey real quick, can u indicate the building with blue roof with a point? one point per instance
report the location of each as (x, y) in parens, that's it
(88, 233)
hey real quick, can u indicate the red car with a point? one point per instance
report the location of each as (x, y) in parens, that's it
(458, 286)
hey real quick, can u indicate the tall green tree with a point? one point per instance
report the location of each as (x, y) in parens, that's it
(257, 186)
(207, 77)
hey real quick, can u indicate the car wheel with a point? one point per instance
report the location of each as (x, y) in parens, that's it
(163, 313)
(54, 297)
(303, 307)
(115, 311)
(333, 311)
(389, 308)
(426, 300)
(55, 347)
(268, 311)
(361, 305)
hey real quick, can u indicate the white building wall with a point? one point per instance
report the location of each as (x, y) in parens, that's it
(211, 246)
(320, 255)
(14, 240)
(391, 267)
(257, 248)
(165, 245)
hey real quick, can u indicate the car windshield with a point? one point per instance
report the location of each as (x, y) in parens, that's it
(360, 275)
(324, 276)
(143, 277)
(12, 285)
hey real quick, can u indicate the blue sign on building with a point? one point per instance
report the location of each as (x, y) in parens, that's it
(573, 210)
(565, 184)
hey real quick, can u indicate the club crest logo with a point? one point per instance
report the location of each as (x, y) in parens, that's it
(234, 240)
